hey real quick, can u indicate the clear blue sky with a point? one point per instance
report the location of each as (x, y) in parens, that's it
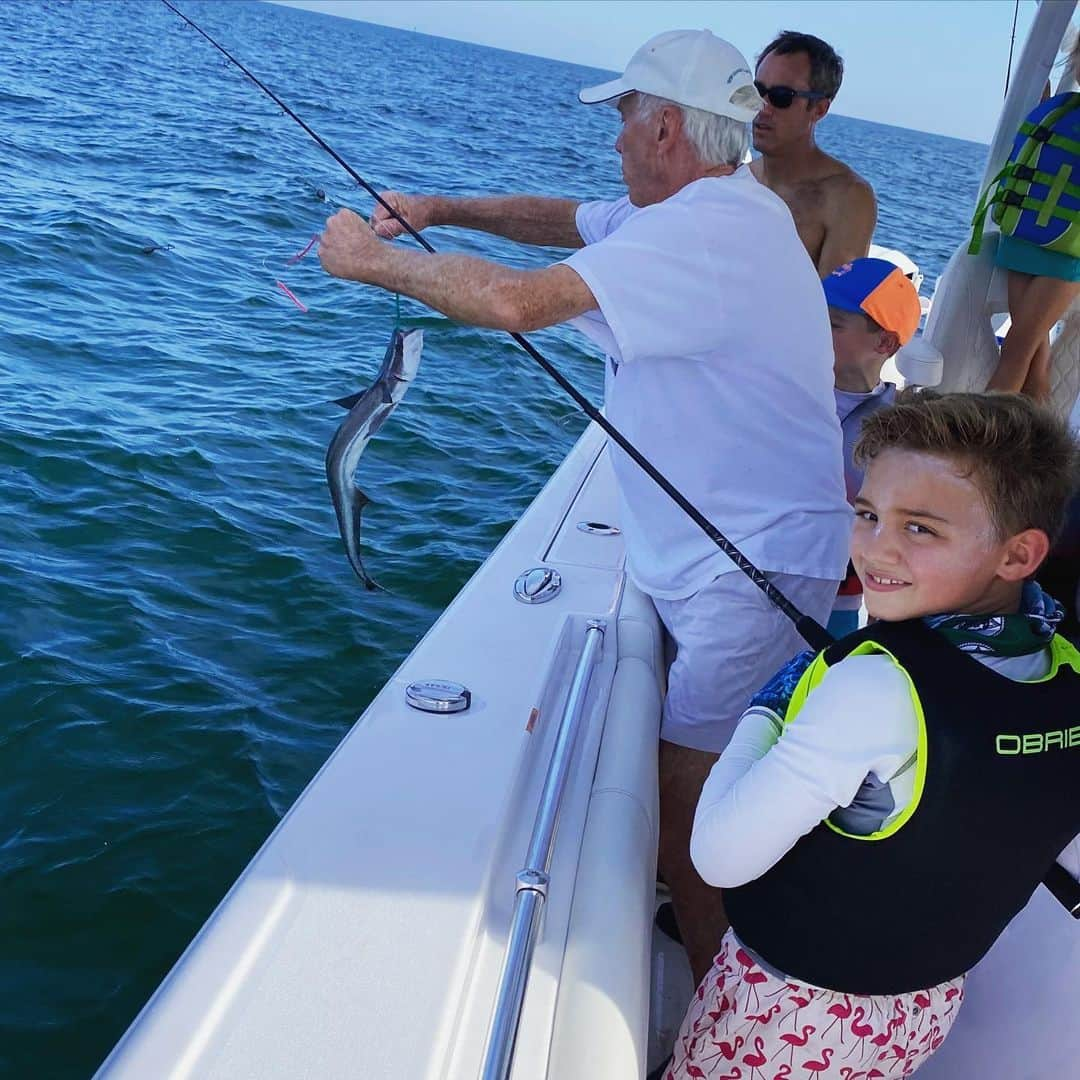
(932, 65)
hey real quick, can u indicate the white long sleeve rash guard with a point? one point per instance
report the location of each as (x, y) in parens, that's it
(766, 792)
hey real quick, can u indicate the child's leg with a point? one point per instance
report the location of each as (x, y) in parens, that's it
(1037, 383)
(747, 1023)
(713, 1037)
(1018, 347)
(1035, 304)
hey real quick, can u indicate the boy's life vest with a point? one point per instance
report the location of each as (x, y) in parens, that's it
(996, 800)
(1037, 196)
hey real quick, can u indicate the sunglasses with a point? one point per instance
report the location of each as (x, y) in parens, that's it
(781, 97)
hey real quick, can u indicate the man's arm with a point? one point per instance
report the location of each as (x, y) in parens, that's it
(528, 219)
(464, 288)
(850, 225)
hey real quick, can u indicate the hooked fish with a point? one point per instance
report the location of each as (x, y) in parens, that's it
(368, 411)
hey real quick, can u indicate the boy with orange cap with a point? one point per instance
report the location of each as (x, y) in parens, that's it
(874, 310)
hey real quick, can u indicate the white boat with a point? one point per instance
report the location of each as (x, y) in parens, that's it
(467, 888)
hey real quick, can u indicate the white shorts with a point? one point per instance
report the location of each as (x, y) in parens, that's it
(729, 640)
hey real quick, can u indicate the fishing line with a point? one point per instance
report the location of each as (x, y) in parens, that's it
(809, 628)
(292, 260)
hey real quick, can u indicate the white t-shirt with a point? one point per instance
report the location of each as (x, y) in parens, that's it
(853, 409)
(720, 372)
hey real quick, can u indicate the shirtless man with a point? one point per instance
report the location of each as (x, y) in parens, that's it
(834, 208)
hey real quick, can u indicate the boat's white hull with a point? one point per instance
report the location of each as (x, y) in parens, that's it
(366, 938)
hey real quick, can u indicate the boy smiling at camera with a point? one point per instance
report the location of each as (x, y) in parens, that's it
(885, 808)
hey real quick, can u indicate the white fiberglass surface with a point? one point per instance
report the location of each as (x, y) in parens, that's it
(366, 937)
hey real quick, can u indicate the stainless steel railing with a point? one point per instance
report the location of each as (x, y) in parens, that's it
(532, 879)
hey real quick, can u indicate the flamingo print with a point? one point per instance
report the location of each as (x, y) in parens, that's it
(763, 1018)
(744, 958)
(729, 1050)
(800, 1000)
(898, 1053)
(899, 1020)
(751, 978)
(954, 996)
(756, 1059)
(792, 1040)
(839, 1013)
(727, 1038)
(859, 1029)
(819, 1066)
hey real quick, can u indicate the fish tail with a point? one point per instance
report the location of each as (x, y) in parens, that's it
(359, 501)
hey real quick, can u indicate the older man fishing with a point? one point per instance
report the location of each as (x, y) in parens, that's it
(719, 371)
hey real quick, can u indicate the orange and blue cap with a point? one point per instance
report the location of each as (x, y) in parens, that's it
(878, 288)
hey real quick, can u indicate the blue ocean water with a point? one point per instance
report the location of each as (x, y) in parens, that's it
(182, 642)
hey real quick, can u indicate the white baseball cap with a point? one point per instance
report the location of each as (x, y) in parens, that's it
(689, 67)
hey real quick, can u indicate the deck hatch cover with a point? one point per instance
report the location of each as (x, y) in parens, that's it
(538, 585)
(598, 528)
(438, 696)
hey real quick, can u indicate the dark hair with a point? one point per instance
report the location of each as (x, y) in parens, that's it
(826, 68)
(1022, 458)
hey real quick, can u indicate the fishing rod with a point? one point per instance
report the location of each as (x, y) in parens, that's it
(1012, 42)
(809, 628)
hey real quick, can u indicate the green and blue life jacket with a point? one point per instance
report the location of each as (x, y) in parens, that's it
(1038, 190)
(996, 800)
